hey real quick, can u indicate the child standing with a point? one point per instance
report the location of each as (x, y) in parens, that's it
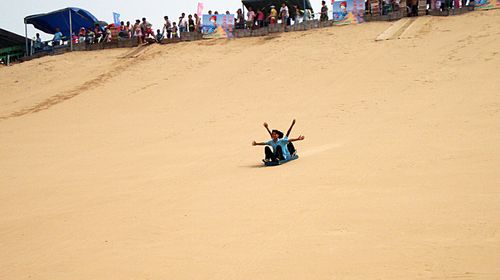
(175, 30)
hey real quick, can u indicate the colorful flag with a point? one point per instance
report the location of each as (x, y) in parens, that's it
(200, 9)
(116, 18)
(348, 12)
(218, 26)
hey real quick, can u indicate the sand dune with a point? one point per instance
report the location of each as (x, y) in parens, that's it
(137, 163)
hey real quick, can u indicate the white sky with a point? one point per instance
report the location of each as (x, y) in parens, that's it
(12, 14)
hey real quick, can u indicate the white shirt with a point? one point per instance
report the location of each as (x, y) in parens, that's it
(184, 22)
(167, 25)
(284, 11)
(251, 15)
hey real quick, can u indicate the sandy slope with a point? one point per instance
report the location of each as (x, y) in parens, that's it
(137, 164)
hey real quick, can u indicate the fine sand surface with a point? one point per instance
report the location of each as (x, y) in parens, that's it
(138, 164)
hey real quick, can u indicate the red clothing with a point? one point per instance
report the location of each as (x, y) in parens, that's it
(260, 15)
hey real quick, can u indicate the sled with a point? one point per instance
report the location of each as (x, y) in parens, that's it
(275, 163)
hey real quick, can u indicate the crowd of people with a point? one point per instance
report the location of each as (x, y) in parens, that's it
(143, 32)
(412, 6)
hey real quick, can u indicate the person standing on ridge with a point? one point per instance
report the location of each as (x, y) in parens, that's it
(273, 15)
(191, 24)
(284, 14)
(324, 11)
(167, 27)
(250, 18)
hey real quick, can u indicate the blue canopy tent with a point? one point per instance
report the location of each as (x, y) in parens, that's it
(68, 20)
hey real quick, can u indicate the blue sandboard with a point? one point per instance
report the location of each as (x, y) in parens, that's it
(275, 163)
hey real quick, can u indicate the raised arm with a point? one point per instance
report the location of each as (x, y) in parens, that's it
(267, 128)
(290, 129)
(300, 138)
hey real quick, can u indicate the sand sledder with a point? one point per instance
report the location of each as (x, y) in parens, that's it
(283, 149)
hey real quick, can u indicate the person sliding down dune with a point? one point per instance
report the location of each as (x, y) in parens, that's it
(283, 148)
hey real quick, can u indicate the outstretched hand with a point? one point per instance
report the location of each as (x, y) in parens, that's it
(254, 143)
(265, 125)
(301, 137)
(293, 122)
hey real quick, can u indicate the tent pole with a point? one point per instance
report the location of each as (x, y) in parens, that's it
(26, 37)
(243, 6)
(70, 31)
(305, 11)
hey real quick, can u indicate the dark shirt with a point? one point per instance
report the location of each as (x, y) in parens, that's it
(324, 13)
(191, 25)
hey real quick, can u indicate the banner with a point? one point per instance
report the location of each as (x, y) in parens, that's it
(487, 4)
(200, 9)
(218, 26)
(348, 12)
(116, 19)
